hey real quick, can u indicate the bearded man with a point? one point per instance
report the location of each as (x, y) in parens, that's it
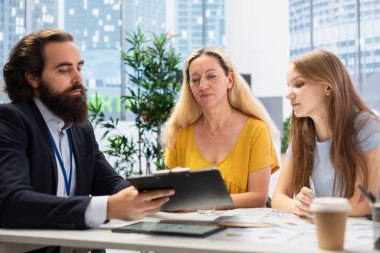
(52, 173)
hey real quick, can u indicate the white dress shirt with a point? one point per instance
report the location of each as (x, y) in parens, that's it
(96, 212)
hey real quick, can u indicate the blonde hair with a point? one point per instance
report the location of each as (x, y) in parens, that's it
(187, 111)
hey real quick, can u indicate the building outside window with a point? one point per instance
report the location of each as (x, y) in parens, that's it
(99, 28)
(348, 28)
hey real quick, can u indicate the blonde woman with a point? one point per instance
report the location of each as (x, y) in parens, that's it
(217, 122)
(335, 138)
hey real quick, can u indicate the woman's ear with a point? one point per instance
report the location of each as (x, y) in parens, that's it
(230, 80)
(327, 90)
(32, 79)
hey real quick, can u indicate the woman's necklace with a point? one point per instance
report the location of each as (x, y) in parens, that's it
(213, 132)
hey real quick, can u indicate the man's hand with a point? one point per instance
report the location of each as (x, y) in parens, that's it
(302, 202)
(129, 204)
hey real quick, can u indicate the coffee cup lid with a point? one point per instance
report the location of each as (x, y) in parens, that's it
(330, 204)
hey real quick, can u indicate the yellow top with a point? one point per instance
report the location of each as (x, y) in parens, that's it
(253, 150)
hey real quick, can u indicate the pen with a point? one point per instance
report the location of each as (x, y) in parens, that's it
(368, 194)
(312, 186)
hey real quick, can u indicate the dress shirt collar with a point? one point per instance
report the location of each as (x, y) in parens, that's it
(50, 118)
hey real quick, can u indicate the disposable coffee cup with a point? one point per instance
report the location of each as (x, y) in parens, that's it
(330, 215)
(376, 224)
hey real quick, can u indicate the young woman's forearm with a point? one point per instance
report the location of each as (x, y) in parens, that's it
(282, 202)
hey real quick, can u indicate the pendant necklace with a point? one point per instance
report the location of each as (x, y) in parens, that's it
(213, 132)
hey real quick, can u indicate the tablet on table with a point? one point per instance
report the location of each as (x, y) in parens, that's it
(167, 228)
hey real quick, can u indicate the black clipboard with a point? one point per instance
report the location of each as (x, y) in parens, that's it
(194, 189)
(167, 228)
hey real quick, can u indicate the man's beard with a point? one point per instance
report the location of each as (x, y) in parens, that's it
(70, 108)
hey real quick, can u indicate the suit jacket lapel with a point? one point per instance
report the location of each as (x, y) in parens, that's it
(44, 131)
(80, 172)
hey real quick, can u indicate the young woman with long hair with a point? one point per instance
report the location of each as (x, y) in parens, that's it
(334, 139)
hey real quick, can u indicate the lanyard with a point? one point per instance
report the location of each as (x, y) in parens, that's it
(67, 179)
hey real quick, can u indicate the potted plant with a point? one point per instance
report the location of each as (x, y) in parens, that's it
(153, 71)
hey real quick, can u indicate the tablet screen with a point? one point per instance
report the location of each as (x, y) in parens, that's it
(165, 228)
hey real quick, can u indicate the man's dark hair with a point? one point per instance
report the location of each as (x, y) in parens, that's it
(26, 57)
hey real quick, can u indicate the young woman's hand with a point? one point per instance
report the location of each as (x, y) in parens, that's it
(302, 202)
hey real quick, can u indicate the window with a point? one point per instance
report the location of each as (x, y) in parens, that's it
(98, 27)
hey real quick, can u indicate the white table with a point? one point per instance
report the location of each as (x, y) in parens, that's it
(12, 240)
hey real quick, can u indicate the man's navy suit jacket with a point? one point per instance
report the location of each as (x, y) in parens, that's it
(28, 172)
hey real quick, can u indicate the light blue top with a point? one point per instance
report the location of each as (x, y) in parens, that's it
(323, 171)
